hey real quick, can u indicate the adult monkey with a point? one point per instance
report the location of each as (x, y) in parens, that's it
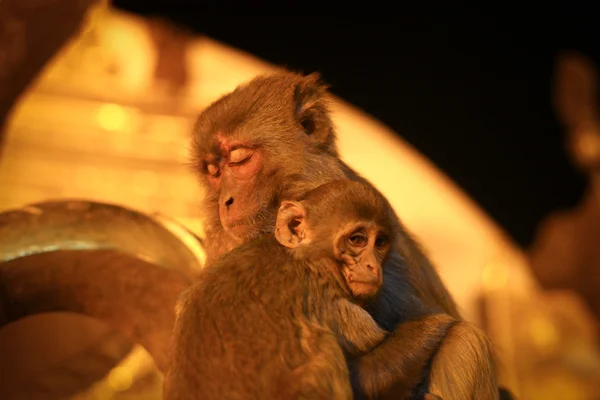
(272, 139)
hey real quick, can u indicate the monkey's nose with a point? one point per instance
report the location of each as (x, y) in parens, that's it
(229, 202)
(373, 269)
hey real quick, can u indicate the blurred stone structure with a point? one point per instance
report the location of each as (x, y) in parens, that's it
(29, 37)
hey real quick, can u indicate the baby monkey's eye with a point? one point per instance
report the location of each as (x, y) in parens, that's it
(213, 170)
(358, 240)
(239, 155)
(381, 241)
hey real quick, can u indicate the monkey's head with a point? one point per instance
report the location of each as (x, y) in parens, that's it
(257, 145)
(343, 221)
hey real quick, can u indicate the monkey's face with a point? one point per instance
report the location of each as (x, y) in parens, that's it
(232, 174)
(253, 145)
(362, 248)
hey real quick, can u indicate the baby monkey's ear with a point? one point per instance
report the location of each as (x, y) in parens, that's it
(290, 228)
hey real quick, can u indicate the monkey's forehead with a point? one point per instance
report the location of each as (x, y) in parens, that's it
(264, 96)
(250, 121)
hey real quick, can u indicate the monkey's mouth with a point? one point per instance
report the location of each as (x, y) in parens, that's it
(238, 229)
(248, 227)
(366, 282)
(242, 229)
(364, 290)
(236, 223)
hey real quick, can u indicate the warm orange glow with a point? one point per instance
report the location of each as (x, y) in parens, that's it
(495, 276)
(120, 379)
(544, 334)
(135, 365)
(84, 132)
(145, 182)
(588, 146)
(111, 117)
(180, 229)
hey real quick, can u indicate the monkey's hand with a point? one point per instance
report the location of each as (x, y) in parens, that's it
(357, 331)
(397, 365)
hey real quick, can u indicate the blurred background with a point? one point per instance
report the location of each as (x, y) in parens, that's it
(482, 130)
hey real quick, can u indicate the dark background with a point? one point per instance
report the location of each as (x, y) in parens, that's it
(470, 89)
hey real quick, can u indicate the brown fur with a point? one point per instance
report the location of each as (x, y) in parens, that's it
(284, 120)
(264, 321)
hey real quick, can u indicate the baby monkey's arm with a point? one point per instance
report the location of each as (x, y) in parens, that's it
(357, 331)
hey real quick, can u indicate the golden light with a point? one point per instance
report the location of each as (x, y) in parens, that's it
(145, 182)
(120, 379)
(137, 363)
(111, 117)
(495, 276)
(544, 334)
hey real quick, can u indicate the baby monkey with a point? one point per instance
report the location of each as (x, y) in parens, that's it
(276, 317)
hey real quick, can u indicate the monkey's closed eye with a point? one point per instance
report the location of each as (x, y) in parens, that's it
(358, 240)
(239, 156)
(213, 170)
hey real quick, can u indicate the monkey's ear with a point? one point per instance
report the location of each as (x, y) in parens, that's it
(311, 107)
(290, 228)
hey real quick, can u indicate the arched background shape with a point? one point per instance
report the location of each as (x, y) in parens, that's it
(97, 125)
